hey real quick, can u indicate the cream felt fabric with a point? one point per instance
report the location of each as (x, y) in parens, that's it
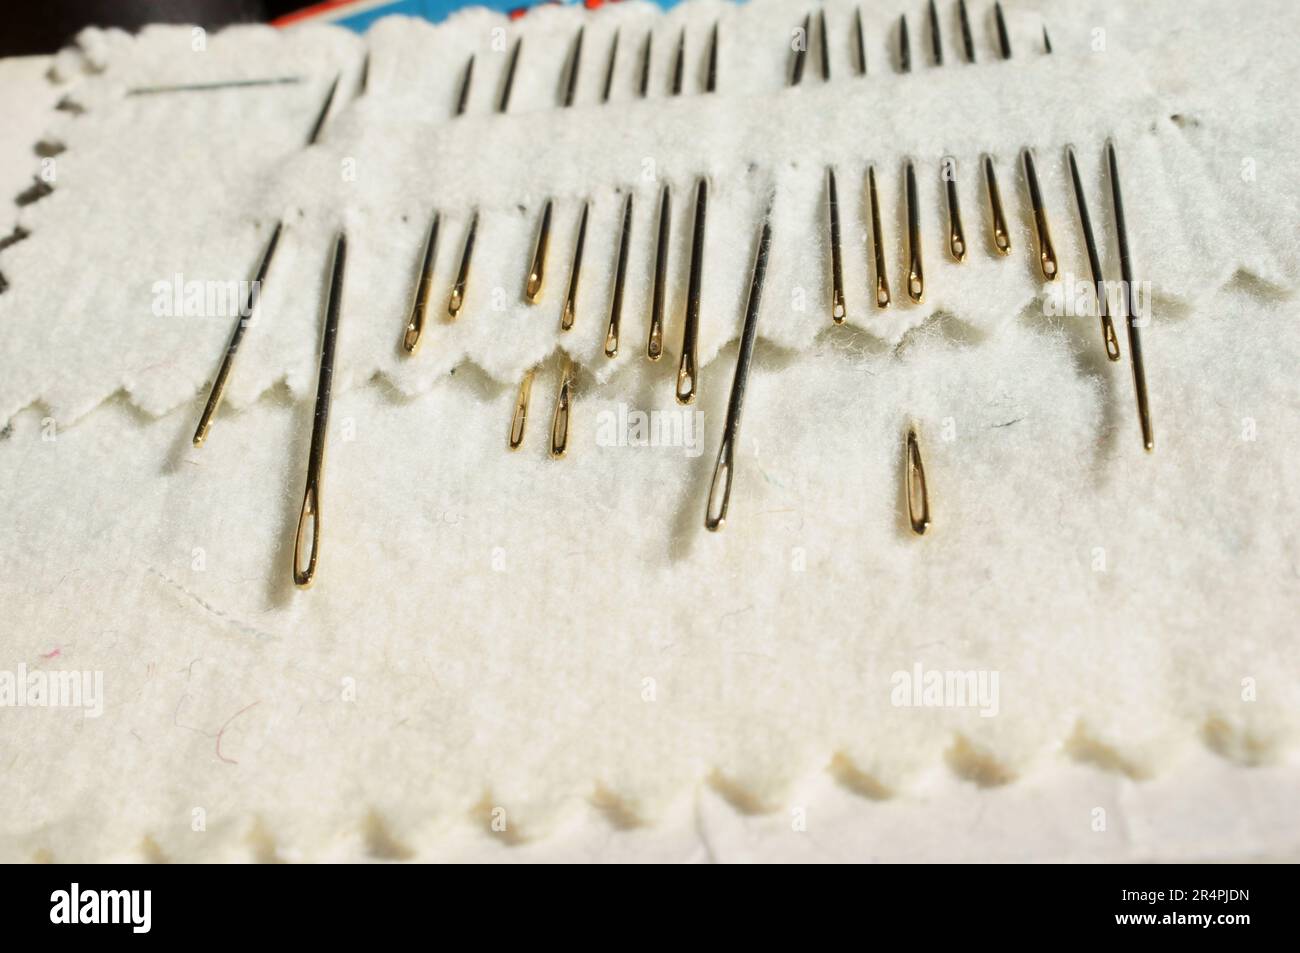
(519, 647)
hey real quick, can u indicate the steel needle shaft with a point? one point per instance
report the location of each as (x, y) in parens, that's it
(1094, 260)
(1130, 304)
(411, 337)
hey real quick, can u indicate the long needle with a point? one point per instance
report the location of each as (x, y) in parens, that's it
(956, 235)
(537, 270)
(456, 300)
(620, 276)
(825, 45)
(510, 76)
(423, 289)
(918, 495)
(208, 87)
(878, 239)
(241, 325)
(687, 382)
(861, 43)
(571, 86)
(1001, 237)
(915, 270)
(679, 64)
(570, 310)
(1094, 260)
(711, 72)
(463, 98)
(319, 124)
(967, 40)
(800, 52)
(1004, 40)
(563, 404)
(936, 41)
(310, 513)
(837, 267)
(654, 347)
(609, 70)
(715, 511)
(645, 63)
(1046, 250)
(1130, 304)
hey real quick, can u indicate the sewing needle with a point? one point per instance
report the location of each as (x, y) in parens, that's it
(1004, 40)
(1094, 260)
(715, 510)
(304, 576)
(936, 42)
(1046, 251)
(609, 70)
(510, 76)
(956, 236)
(966, 39)
(1001, 237)
(571, 294)
(904, 46)
(915, 271)
(520, 417)
(244, 317)
(457, 299)
(537, 270)
(686, 369)
(620, 275)
(571, 85)
(825, 45)
(654, 347)
(800, 52)
(463, 98)
(837, 269)
(679, 63)
(711, 72)
(861, 43)
(878, 237)
(324, 112)
(1130, 304)
(645, 63)
(423, 289)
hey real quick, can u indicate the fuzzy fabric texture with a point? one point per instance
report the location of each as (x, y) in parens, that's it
(515, 645)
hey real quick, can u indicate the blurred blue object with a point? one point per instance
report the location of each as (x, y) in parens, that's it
(359, 14)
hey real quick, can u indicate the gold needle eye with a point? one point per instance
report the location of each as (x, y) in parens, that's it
(1046, 251)
(620, 276)
(1094, 260)
(715, 509)
(918, 496)
(309, 528)
(878, 238)
(915, 270)
(654, 347)
(520, 417)
(457, 299)
(1001, 237)
(571, 295)
(687, 381)
(423, 290)
(837, 266)
(537, 270)
(1130, 304)
(956, 236)
(560, 422)
(232, 346)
